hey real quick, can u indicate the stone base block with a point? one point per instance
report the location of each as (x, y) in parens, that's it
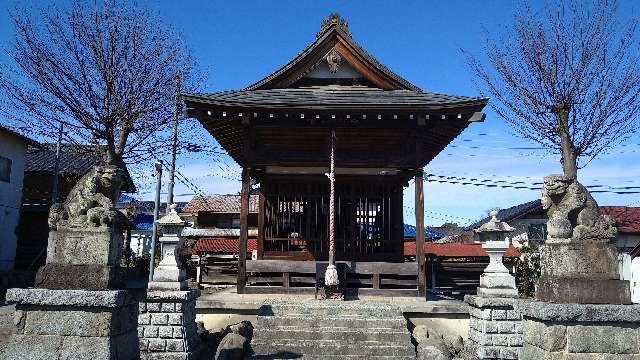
(495, 327)
(167, 327)
(583, 291)
(90, 277)
(168, 285)
(580, 331)
(85, 246)
(72, 324)
(497, 292)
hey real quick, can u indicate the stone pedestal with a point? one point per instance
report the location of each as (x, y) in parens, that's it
(169, 275)
(72, 324)
(581, 272)
(580, 331)
(495, 327)
(496, 281)
(83, 258)
(167, 326)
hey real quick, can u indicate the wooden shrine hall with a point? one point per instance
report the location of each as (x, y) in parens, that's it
(384, 131)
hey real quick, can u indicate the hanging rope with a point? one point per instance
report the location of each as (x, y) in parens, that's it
(331, 275)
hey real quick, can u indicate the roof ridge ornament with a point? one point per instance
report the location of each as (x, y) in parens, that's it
(334, 19)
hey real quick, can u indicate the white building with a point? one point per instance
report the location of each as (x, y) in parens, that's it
(13, 150)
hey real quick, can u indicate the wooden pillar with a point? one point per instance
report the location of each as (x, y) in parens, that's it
(244, 231)
(419, 202)
(260, 242)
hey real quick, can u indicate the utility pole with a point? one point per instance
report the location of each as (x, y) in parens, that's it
(156, 211)
(56, 167)
(174, 142)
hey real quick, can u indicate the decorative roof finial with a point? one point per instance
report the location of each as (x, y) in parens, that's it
(331, 20)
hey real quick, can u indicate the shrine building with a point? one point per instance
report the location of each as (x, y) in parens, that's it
(386, 130)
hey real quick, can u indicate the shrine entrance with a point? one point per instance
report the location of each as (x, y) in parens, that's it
(279, 130)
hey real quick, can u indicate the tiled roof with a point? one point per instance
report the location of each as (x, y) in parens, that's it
(74, 159)
(77, 159)
(455, 250)
(320, 97)
(512, 212)
(223, 245)
(228, 204)
(627, 218)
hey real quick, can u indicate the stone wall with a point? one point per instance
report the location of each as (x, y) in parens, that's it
(71, 324)
(166, 325)
(575, 331)
(495, 327)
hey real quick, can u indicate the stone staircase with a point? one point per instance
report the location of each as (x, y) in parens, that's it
(331, 330)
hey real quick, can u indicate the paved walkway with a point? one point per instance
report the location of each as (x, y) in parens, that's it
(228, 299)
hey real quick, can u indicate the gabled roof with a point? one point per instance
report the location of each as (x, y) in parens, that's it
(25, 139)
(74, 159)
(334, 35)
(225, 204)
(512, 213)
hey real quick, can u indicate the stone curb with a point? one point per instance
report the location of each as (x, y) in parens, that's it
(578, 312)
(100, 298)
(186, 295)
(482, 302)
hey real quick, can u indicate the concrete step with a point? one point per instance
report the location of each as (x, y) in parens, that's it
(280, 356)
(384, 335)
(331, 347)
(331, 309)
(313, 322)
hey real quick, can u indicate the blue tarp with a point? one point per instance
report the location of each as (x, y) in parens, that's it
(410, 232)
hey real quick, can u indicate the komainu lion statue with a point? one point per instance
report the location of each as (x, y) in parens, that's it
(574, 216)
(90, 202)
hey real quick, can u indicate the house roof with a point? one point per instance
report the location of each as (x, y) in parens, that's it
(455, 250)
(27, 140)
(512, 213)
(333, 82)
(225, 204)
(334, 96)
(74, 159)
(229, 245)
(333, 35)
(627, 218)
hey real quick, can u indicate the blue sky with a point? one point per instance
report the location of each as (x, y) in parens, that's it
(238, 42)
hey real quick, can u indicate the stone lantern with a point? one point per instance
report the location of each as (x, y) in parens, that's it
(169, 275)
(496, 281)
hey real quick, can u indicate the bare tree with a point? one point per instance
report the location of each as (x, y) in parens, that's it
(568, 79)
(104, 69)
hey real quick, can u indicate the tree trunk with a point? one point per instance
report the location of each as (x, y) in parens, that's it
(569, 159)
(569, 156)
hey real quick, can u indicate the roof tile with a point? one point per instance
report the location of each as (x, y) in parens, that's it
(229, 204)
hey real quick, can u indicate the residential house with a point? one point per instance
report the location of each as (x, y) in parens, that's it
(216, 233)
(13, 153)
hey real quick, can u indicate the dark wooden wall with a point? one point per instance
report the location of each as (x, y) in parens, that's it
(368, 218)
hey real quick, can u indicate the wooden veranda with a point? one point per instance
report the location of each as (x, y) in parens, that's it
(279, 130)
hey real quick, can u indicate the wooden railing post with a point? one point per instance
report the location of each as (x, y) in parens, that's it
(244, 231)
(419, 202)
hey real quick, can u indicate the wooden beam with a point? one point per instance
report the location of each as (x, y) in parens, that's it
(419, 202)
(261, 208)
(244, 231)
